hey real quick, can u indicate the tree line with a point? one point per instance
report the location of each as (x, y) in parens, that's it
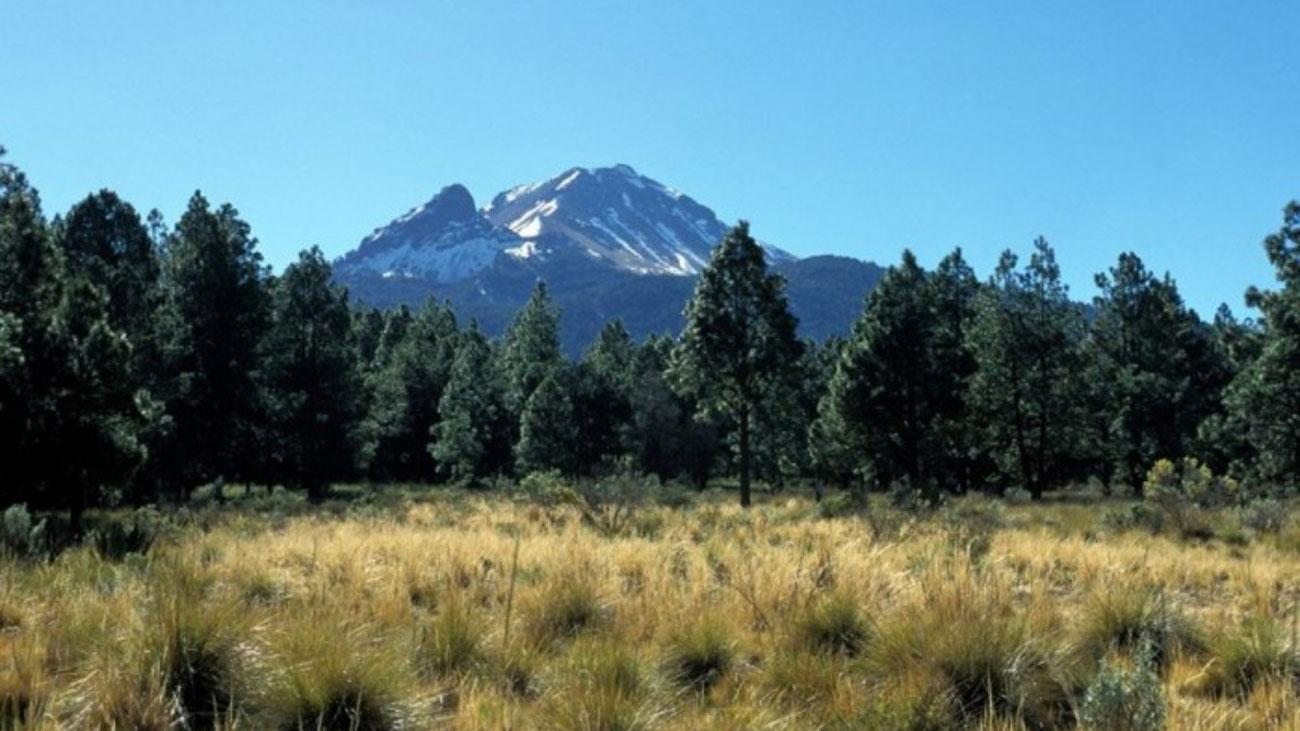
(139, 361)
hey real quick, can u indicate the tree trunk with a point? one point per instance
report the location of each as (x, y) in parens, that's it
(744, 458)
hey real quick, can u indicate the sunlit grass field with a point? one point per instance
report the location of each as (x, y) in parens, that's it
(429, 608)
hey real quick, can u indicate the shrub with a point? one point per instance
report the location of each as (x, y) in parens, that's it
(1263, 515)
(698, 656)
(21, 537)
(609, 505)
(839, 504)
(833, 625)
(970, 525)
(1124, 699)
(117, 536)
(544, 488)
(1182, 493)
(1138, 515)
(1256, 651)
(1128, 618)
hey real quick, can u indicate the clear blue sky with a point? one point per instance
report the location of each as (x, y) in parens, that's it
(858, 128)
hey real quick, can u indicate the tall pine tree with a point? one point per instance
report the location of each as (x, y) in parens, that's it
(1026, 392)
(214, 316)
(311, 378)
(738, 349)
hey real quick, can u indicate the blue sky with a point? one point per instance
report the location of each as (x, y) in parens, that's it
(1171, 129)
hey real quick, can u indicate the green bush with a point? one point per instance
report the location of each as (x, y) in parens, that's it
(21, 537)
(1124, 699)
(1263, 515)
(840, 504)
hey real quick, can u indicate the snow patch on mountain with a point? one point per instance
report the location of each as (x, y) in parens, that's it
(618, 215)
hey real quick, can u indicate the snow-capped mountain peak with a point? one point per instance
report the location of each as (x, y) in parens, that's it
(616, 215)
(443, 240)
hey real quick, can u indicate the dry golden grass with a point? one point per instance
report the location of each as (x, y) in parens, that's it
(703, 617)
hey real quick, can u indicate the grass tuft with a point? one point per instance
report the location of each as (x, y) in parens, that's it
(1256, 652)
(699, 655)
(1126, 618)
(835, 624)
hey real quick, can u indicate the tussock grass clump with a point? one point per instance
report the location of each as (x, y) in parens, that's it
(1256, 652)
(804, 679)
(835, 624)
(987, 655)
(198, 647)
(451, 642)
(567, 605)
(1126, 618)
(602, 686)
(327, 676)
(24, 684)
(699, 655)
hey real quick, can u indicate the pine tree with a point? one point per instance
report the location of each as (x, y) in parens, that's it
(104, 240)
(1149, 369)
(311, 378)
(471, 438)
(892, 401)
(406, 393)
(738, 348)
(215, 313)
(548, 434)
(663, 435)
(70, 414)
(1026, 340)
(601, 395)
(1264, 399)
(530, 350)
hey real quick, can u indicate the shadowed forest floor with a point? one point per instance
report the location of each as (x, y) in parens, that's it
(418, 609)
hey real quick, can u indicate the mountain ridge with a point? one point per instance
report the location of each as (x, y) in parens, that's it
(608, 241)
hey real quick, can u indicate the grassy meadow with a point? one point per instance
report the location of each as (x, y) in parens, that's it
(437, 608)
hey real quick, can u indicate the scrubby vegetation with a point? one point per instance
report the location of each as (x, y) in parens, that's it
(419, 608)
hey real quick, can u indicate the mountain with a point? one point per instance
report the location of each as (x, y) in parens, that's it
(609, 243)
(615, 216)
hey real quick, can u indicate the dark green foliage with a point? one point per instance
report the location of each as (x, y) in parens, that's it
(548, 434)
(472, 436)
(312, 383)
(1026, 391)
(738, 350)
(216, 311)
(69, 408)
(894, 405)
(530, 350)
(405, 391)
(1265, 397)
(1153, 369)
(104, 241)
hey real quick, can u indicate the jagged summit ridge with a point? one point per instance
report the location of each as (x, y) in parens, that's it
(614, 215)
(443, 240)
(602, 218)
